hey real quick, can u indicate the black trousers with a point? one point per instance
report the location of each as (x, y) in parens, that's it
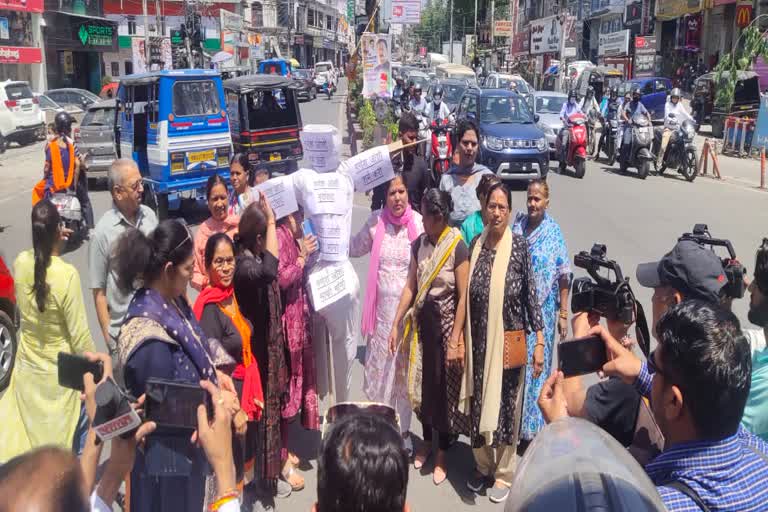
(443, 439)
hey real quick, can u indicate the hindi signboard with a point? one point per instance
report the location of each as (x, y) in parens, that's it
(502, 28)
(407, 12)
(614, 44)
(545, 35)
(645, 56)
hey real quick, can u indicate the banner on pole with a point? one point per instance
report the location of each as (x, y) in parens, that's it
(377, 68)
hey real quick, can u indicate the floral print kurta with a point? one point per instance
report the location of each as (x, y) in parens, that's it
(385, 374)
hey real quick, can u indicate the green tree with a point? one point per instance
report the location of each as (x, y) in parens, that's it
(751, 45)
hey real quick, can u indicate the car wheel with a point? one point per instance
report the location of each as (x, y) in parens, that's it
(8, 345)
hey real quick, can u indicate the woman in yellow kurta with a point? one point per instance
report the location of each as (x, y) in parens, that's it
(35, 410)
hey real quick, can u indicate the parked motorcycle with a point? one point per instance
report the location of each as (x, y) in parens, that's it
(576, 151)
(636, 152)
(442, 149)
(680, 154)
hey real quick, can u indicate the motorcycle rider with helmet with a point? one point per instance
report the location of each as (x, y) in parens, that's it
(679, 113)
(418, 104)
(397, 92)
(437, 110)
(609, 109)
(569, 108)
(627, 113)
(588, 102)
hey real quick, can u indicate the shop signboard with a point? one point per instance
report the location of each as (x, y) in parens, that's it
(20, 55)
(674, 9)
(521, 42)
(350, 9)
(645, 56)
(230, 21)
(96, 35)
(545, 35)
(615, 43)
(633, 14)
(407, 12)
(502, 28)
(22, 5)
(760, 138)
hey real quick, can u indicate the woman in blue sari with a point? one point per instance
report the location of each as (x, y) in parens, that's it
(551, 265)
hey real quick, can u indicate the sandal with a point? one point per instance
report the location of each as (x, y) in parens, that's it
(420, 458)
(294, 478)
(439, 474)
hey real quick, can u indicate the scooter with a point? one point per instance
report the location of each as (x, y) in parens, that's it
(610, 136)
(636, 152)
(423, 132)
(575, 154)
(327, 88)
(681, 151)
(442, 149)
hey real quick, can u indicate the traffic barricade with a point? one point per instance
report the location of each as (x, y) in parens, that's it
(737, 135)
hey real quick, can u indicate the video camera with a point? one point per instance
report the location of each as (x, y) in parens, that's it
(611, 299)
(734, 271)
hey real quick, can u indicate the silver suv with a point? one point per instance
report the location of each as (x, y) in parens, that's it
(95, 138)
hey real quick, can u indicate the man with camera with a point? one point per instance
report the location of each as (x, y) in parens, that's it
(689, 271)
(697, 381)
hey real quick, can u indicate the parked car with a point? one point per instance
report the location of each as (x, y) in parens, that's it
(50, 108)
(453, 89)
(20, 119)
(77, 97)
(654, 92)
(9, 323)
(511, 144)
(308, 90)
(95, 138)
(547, 105)
(326, 68)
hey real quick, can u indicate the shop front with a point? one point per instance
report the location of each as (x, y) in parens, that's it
(21, 54)
(681, 27)
(721, 31)
(75, 46)
(613, 51)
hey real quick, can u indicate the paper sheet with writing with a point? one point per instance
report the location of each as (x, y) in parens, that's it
(332, 233)
(320, 147)
(327, 193)
(369, 168)
(281, 195)
(328, 285)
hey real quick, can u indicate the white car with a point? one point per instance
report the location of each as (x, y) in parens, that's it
(20, 119)
(326, 68)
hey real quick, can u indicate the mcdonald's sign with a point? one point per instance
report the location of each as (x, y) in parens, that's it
(743, 14)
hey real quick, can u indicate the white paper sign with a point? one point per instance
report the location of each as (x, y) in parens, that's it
(369, 168)
(320, 146)
(327, 193)
(332, 233)
(281, 195)
(328, 285)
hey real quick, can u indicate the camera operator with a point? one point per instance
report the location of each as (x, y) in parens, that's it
(697, 381)
(688, 271)
(755, 417)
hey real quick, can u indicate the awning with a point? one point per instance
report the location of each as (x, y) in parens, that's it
(87, 16)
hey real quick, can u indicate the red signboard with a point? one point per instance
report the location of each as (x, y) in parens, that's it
(423, 51)
(22, 5)
(20, 55)
(743, 14)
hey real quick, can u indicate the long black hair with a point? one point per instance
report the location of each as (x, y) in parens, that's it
(213, 243)
(437, 202)
(143, 257)
(45, 235)
(242, 159)
(214, 180)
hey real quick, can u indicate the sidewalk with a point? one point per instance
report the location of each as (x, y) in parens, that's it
(738, 171)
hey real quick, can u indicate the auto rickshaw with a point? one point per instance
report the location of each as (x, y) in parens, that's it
(601, 79)
(746, 100)
(174, 125)
(265, 120)
(280, 67)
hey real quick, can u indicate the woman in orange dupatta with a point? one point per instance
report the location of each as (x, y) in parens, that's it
(219, 315)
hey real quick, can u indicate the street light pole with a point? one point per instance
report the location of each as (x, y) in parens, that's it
(450, 35)
(146, 33)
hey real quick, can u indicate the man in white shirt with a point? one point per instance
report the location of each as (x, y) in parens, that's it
(678, 115)
(437, 110)
(418, 104)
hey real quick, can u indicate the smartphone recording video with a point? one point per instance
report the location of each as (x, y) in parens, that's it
(72, 368)
(580, 356)
(173, 405)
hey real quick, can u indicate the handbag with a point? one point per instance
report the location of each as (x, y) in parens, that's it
(515, 349)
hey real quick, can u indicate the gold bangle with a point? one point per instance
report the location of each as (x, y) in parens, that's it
(564, 314)
(539, 344)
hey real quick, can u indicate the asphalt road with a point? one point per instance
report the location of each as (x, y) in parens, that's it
(638, 221)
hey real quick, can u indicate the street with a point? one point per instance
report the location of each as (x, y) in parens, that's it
(638, 221)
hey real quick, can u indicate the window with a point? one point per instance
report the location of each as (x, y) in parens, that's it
(115, 68)
(18, 91)
(647, 88)
(128, 67)
(131, 25)
(198, 98)
(472, 105)
(99, 117)
(660, 86)
(310, 17)
(257, 14)
(464, 105)
(505, 109)
(329, 22)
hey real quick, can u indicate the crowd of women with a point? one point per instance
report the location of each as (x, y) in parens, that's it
(461, 310)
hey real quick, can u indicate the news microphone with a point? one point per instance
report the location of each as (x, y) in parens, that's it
(114, 414)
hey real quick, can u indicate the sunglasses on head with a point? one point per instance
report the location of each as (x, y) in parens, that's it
(345, 409)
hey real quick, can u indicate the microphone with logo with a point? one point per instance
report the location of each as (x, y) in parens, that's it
(114, 414)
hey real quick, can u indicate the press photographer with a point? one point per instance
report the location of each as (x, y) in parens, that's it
(691, 270)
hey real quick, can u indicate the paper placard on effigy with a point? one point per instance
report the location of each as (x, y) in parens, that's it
(332, 233)
(326, 193)
(320, 145)
(328, 285)
(369, 168)
(281, 195)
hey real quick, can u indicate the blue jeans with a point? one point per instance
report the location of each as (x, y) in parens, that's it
(81, 432)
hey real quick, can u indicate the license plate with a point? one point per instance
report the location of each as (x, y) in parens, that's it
(275, 156)
(201, 156)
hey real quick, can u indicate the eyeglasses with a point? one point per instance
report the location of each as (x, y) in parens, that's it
(345, 409)
(222, 262)
(652, 366)
(500, 207)
(135, 186)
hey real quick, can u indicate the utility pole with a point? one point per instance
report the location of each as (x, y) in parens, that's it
(476, 22)
(146, 32)
(493, 29)
(450, 35)
(563, 30)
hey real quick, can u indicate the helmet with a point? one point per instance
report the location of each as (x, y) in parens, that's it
(437, 94)
(417, 88)
(62, 123)
(614, 92)
(590, 91)
(572, 94)
(675, 92)
(636, 90)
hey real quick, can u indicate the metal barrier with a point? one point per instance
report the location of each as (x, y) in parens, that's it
(737, 135)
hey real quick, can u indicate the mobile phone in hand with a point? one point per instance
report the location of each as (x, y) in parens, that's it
(72, 369)
(580, 356)
(306, 227)
(173, 405)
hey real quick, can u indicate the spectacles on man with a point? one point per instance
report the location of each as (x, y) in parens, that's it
(135, 186)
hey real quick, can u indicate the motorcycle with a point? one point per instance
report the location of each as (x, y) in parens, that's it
(592, 117)
(611, 131)
(328, 89)
(442, 149)
(680, 154)
(423, 132)
(575, 154)
(636, 152)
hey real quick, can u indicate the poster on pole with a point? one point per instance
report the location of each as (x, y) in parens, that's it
(377, 68)
(139, 55)
(407, 12)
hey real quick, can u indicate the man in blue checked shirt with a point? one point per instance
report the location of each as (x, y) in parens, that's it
(697, 381)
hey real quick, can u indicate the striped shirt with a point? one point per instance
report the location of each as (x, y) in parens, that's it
(728, 475)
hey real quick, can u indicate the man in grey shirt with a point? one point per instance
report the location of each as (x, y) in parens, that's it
(126, 186)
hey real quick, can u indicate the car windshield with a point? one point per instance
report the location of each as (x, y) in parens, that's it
(420, 80)
(48, 103)
(99, 117)
(504, 109)
(521, 86)
(322, 68)
(90, 96)
(301, 73)
(550, 104)
(20, 91)
(198, 98)
(452, 93)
